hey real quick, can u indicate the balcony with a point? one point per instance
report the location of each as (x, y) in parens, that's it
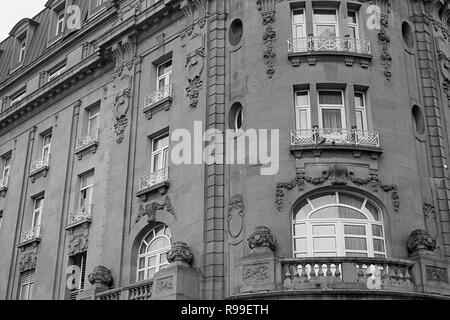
(311, 47)
(159, 100)
(138, 291)
(38, 166)
(32, 236)
(158, 180)
(318, 140)
(80, 216)
(87, 143)
(4, 186)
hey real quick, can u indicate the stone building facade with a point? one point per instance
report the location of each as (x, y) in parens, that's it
(92, 207)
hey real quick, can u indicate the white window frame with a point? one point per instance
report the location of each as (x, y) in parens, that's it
(354, 25)
(88, 188)
(57, 72)
(60, 19)
(331, 106)
(167, 77)
(27, 279)
(339, 235)
(156, 253)
(317, 23)
(18, 97)
(6, 166)
(295, 35)
(37, 212)
(93, 113)
(299, 108)
(22, 49)
(82, 276)
(363, 110)
(46, 147)
(163, 151)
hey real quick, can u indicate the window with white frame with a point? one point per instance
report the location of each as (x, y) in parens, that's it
(6, 166)
(160, 153)
(78, 261)
(60, 16)
(325, 23)
(22, 49)
(93, 119)
(86, 190)
(303, 110)
(152, 253)
(1, 220)
(19, 96)
(26, 285)
(338, 224)
(360, 109)
(298, 23)
(331, 109)
(46, 145)
(55, 73)
(38, 206)
(353, 26)
(164, 75)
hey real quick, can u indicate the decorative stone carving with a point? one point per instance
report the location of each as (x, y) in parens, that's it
(235, 216)
(437, 274)
(195, 62)
(443, 49)
(101, 275)
(165, 284)
(189, 8)
(28, 261)
(180, 252)
(150, 209)
(267, 9)
(261, 237)
(337, 175)
(255, 272)
(78, 244)
(420, 240)
(385, 43)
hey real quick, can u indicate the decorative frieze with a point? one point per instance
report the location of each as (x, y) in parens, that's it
(149, 210)
(78, 244)
(180, 252)
(337, 175)
(28, 261)
(261, 237)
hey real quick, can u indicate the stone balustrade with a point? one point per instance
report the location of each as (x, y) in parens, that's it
(137, 291)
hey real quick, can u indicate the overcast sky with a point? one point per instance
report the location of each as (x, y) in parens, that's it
(14, 10)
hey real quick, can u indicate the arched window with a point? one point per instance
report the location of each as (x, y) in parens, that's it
(338, 224)
(152, 252)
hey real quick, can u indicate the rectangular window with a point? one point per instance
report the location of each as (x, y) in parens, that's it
(22, 49)
(60, 23)
(164, 75)
(6, 166)
(46, 145)
(298, 23)
(326, 23)
(1, 220)
(55, 73)
(37, 212)
(353, 24)
(360, 109)
(93, 119)
(79, 262)
(331, 109)
(86, 190)
(160, 153)
(26, 285)
(303, 110)
(19, 96)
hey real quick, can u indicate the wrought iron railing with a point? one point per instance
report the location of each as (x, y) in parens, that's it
(318, 136)
(40, 164)
(82, 214)
(348, 272)
(86, 141)
(153, 179)
(31, 234)
(138, 291)
(159, 95)
(314, 44)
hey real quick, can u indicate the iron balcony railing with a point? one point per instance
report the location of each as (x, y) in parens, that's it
(317, 44)
(159, 95)
(318, 136)
(31, 234)
(86, 141)
(82, 214)
(153, 179)
(40, 164)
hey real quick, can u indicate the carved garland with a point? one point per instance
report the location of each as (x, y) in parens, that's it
(337, 176)
(150, 209)
(385, 42)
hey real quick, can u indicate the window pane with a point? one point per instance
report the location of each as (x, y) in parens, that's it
(163, 258)
(165, 68)
(141, 263)
(303, 119)
(161, 143)
(355, 230)
(302, 214)
(352, 16)
(324, 230)
(360, 120)
(324, 31)
(359, 99)
(351, 200)
(332, 118)
(302, 99)
(300, 230)
(377, 231)
(300, 244)
(326, 213)
(141, 276)
(150, 273)
(373, 210)
(298, 16)
(330, 97)
(325, 15)
(325, 254)
(150, 237)
(158, 244)
(152, 261)
(324, 244)
(355, 244)
(347, 213)
(323, 199)
(378, 245)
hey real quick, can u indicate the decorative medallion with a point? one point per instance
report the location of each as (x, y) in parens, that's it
(235, 216)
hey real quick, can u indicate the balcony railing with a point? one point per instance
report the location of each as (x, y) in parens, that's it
(154, 179)
(318, 136)
(30, 235)
(40, 164)
(138, 291)
(347, 273)
(158, 96)
(317, 44)
(87, 141)
(80, 215)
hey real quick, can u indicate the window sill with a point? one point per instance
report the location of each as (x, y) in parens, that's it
(312, 57)
(151, 108)
(162, 188)
(33, 242)
(84, 149)
(72, 226)
(37, 172)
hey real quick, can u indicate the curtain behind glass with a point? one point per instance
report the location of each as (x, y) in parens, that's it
(331, 118)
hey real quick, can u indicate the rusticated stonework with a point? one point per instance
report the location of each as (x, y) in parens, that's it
(337, 175)
(261, 237)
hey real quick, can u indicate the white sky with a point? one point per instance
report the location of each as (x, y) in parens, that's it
(14, 10)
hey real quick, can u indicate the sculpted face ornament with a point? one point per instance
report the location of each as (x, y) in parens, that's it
(420, 240)
(261, 237)
(180, 252)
